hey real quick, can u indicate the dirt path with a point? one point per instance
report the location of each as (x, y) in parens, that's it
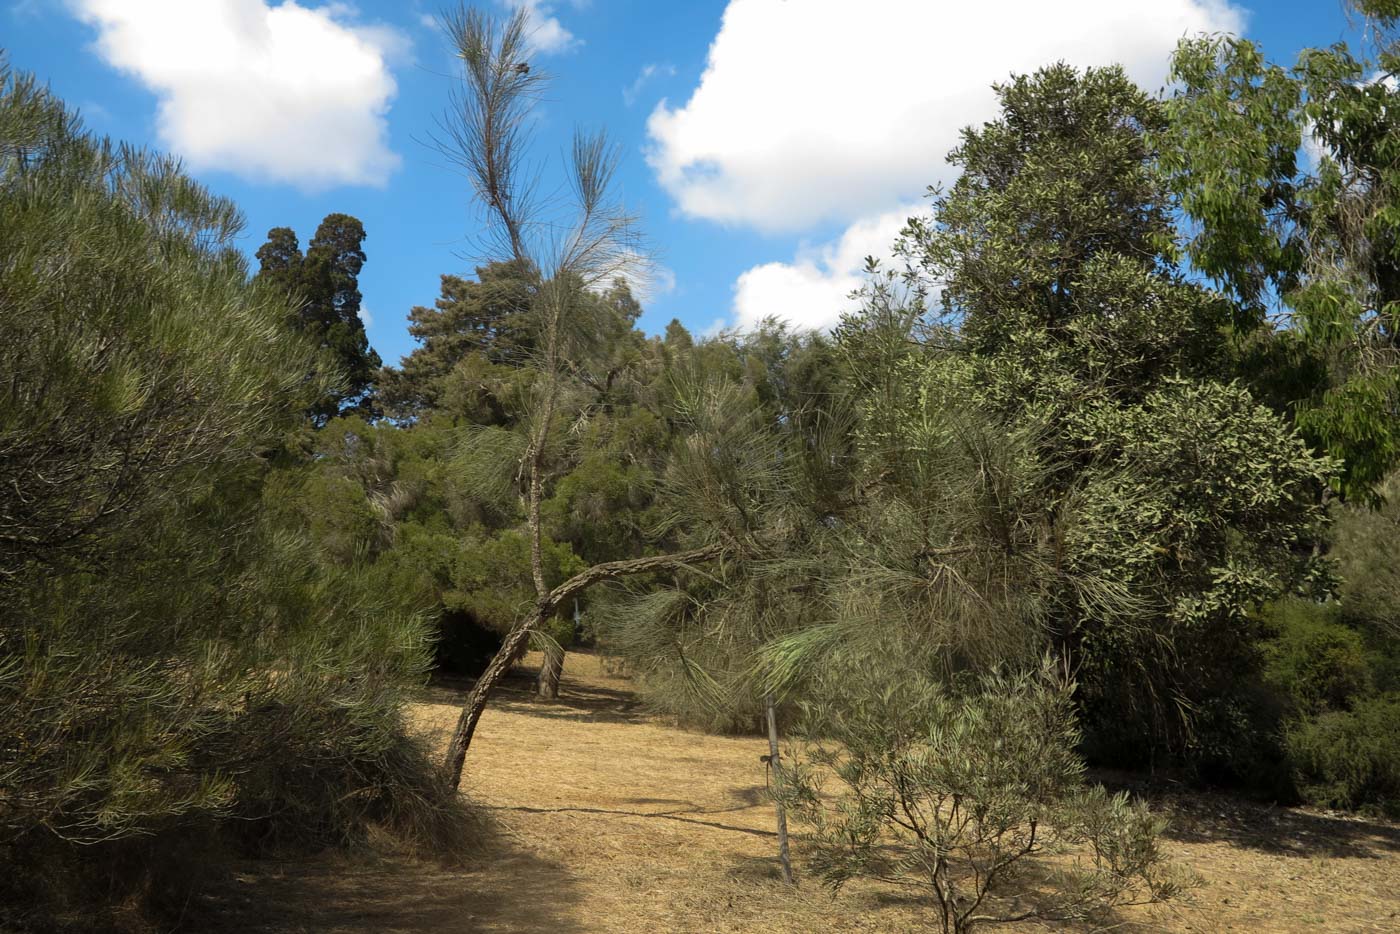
(610, 820)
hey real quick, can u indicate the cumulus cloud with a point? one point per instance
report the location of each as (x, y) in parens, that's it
(661, 282)
(547, 35)
(647, 278)
(813, 290)
(284, 93)
(819, 110)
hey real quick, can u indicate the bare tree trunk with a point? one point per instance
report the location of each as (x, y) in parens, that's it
(535, 492)
(551, 670)
(776, 762)
(509, 653)
(1325, 502)
(519, 639)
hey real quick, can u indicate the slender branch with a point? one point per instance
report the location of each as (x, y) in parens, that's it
(611, 570)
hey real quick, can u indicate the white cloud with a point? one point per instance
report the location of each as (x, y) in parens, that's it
(647, 278)
(632, 91)
(547, 35)
(814, 289)
(1313, 148)
(822, 110)
(716, 328)
(284, 93)
(663, 281)
(816, 112)
(366, 317)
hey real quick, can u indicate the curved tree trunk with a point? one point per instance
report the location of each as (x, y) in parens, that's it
(507, 655)
(519, 639)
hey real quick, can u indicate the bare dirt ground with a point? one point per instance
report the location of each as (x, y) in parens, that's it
(608, 819)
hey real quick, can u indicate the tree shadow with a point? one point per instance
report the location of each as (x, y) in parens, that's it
(1036, 886)
(516, 693)
(1213, 818)
(373, 893)
(744, 799)
(679, 816)
(586, 702)
(1199, 815)
(755, 869)
(445, 688)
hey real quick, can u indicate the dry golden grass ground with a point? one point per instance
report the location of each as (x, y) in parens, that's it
(612, 820)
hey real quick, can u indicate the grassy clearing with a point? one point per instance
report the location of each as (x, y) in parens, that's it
(610, 819)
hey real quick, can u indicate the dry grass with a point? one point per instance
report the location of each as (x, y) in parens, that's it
(612, 820)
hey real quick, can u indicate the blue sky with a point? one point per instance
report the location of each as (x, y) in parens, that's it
(769, 144)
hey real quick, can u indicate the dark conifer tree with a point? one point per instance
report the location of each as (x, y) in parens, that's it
(325, 282)
(486, 317)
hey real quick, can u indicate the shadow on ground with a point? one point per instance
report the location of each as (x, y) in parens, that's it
(1197, 815)
(516, 693)
(368, 894)
(1209, 818)
(744, 798)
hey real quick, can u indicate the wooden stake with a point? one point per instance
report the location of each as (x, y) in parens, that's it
(776, 763)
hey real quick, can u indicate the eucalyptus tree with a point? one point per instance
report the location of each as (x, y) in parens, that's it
(1053, 254)
(1296, 220)
(487, 132)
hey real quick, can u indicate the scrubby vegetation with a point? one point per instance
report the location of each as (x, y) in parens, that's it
(1102, 470)
(178, 662)
(958, 790)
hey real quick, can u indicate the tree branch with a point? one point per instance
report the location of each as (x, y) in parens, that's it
(611, 570)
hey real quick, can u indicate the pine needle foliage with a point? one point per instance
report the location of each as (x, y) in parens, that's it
(171, 656)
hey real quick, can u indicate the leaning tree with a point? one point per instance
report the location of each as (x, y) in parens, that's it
(487, 132)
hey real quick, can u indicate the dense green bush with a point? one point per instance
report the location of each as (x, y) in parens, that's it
(1366, 539)
(1313, 726)
(1350, 758)
(1329, 671)
(1313, 660)
(143, 378)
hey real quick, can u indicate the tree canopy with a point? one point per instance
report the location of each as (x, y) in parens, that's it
(1100, 469)
(324, 289)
